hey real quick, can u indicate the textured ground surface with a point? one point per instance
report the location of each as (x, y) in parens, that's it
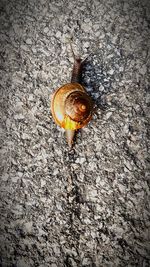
(89, 206)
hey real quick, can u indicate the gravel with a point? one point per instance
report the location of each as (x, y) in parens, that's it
(89, 206)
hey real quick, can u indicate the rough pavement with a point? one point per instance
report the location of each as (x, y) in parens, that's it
(88, 206)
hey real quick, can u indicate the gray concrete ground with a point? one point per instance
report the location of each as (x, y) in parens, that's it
(88, 206)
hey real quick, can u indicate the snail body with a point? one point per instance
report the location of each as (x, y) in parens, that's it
(71, 106)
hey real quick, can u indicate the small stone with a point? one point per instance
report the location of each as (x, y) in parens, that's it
(25, 136)
(46, 29)
(24, 47)
(111, 72)
(96, 27)
(5, 177)
(22, 263)
(43, 183)
(29, 41)
(121, 69)
(55, 172)
(103, 237)
(86, 44)
(108, 115)
(8, 124)
(20, 174)
(14, 179)
(31, 97)
(87, 221)
(80, 160)
(19, 117)
(86, 262)
(122, 188)
(58, 34)
(28, 227)
(86, 27)
(143, 70)
(112, 134)
(97, 95)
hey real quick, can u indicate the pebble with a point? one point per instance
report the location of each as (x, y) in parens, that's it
(46, 29)
(5, 177)
(19, 117)
(80, 160)
(28, 227)
(43, 183)
(58, 34)
(55, 172)
(108, 115)
(86, 27)
(22, 263)
(111, 72)
(28, 41)
(26, 136)
(143, 70)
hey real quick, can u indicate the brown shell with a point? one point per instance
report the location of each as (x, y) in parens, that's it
(71, 106)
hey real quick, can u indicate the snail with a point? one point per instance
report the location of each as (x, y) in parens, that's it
(71, 106)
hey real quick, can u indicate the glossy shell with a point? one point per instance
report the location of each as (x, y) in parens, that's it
(71, 106)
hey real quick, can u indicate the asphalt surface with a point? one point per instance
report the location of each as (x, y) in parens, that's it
(89, 206)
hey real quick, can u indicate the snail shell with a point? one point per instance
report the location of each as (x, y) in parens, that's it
(71, 106)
